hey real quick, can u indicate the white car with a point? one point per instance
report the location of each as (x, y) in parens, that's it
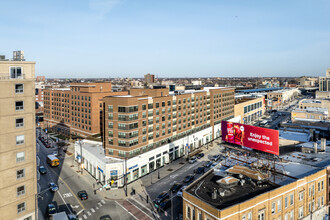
(179, 193)
(193, 159)
(54, 153)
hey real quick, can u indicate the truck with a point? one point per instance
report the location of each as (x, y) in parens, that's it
(59, 216)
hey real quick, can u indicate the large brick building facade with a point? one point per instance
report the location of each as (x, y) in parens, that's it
(76, 110)
(149, 118)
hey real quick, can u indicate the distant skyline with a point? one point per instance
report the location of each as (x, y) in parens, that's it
(169, 38)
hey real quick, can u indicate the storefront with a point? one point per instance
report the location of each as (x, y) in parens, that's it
(144, 170)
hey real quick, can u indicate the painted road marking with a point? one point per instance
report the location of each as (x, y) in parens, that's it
(80, 211)
(65, 202)
(69, 189)
(93, 210)
(67, 195)
(103, 201)
(99, 204)
(89, 213)
(126, 210)
(80, 218)
(84, 216)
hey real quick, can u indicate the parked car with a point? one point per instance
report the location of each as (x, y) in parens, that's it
(179, 193)
(188, 178)
(208, 164)
(165, 204)
(54, 153)
(193, 159)
(176, 187)
(200, 155)
(72, 217)
(51, 209)
(213, 165)
(200, 170)
(161, 197)
(105, 217)
(42, 170)
(53, 187)
(82, 195)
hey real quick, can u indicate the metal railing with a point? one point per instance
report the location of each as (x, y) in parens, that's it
(7, 76)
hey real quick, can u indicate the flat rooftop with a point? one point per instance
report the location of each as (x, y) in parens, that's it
(231, 196)
(249, 181)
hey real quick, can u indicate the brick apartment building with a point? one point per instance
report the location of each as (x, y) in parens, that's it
(149, 118)
(76, 110)
(151, 127)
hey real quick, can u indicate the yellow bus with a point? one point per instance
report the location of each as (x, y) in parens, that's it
(53, 161)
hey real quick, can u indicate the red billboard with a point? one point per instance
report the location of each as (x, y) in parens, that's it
(262, 139)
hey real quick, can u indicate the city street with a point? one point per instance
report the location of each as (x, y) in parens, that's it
(70, 182)
(166, 182)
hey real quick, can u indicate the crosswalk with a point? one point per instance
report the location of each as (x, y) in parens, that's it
(90, 212)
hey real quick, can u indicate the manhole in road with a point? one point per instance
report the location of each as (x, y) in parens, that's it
(169, 169)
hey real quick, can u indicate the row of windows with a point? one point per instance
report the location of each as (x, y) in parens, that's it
(252, 107)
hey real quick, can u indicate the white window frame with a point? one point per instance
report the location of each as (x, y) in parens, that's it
(20, 125)
(261, 214)
(20, 139)
(20, 108)
(301, 211)
(22, 209)
(19, 91)
(279, 205)
(16, 77)
(20, 159)
(286, 202)
(20, 193)
(291, 199)
(273, 208)
(292, 215)
(20, 176)
(301, 195)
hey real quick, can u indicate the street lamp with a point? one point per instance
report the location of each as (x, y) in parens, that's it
(81, 165)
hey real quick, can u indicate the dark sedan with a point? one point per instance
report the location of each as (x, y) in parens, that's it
(161, 197)
(176, 187)
(165, 204)
(42, 170)
(200, 155)
(200, 170)
(188, 178)
(82, 195)
(208, 164)
(51, 209)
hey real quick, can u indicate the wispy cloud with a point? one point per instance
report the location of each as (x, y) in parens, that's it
(103, 7)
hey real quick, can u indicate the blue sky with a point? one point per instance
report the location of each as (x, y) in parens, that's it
(169, 38)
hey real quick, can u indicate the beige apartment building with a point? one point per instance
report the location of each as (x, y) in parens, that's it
(18, 172)
(149, 118)
(76, 110)
(252, 196)
(322, 95)
(249, 108)
(324, 82)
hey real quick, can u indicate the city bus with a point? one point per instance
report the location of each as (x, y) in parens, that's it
(53, 161)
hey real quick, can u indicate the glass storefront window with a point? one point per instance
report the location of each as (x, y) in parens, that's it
(151, 166)
(135, 174)
(158, 163)
(144, 170)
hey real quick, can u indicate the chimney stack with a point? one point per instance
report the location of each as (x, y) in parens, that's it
(214, 194)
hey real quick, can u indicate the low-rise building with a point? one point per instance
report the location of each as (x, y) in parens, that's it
(322, 95)
(296, 190)
(249, 108)
(310, 114)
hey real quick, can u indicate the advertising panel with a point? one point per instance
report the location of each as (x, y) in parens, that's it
(262, 139)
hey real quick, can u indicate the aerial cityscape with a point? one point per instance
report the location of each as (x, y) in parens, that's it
(165, 110)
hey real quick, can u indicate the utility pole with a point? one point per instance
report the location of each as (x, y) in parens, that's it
(125, 176)
(171, 205)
